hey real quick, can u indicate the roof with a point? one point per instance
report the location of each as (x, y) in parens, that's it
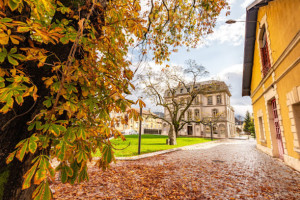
(250, 37)
(204, 87)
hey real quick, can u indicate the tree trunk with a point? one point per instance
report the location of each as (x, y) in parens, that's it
(11, 176)
(172, 137)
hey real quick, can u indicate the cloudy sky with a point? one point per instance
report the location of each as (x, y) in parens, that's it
(222, 55)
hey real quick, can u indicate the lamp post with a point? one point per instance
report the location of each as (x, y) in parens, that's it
(232, 21)
(140, 129)
(211, 130)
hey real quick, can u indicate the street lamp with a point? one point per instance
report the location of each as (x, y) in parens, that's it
(232, 21)
(211, 130)
(140, 128)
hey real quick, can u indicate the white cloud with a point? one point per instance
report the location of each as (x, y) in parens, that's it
(246, 3)
(227, 33)
(232, 76)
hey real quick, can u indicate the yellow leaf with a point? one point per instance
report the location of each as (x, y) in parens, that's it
(4, 38)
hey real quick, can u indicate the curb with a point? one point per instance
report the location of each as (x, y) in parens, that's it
(147, 155)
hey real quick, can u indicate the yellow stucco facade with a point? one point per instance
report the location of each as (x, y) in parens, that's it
(281, 21)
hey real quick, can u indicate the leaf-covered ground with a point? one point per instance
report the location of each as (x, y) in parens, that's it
(231, 170)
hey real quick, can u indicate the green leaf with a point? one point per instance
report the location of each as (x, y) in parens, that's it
(13, 50)
(32, 143)
(40, 175)
(83, 175)
(63, 175)
(54, 129)
(42, 192)
(81, 133)
(13, 4)
(3, 55)
(75, 167)
(28, 176)
(12, 60)
(62, 150)
(10, 157)
(107, 153)
(19, 99)
(19, 56)
(47, 103)
(61, 128)
(5, 20)
(22, 150)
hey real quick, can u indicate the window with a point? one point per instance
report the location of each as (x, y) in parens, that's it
(189, 114)
(188, 89)
(207, 128)
(197, 114)
(261, 129)
(209, 100)
(196, 100)
(219, 99)
(264, 52)
(181, 90)
(214, 112)
(296, 113)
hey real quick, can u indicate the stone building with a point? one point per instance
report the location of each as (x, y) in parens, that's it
(213, 103)
(150, 125)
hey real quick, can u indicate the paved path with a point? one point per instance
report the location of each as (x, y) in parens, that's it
(233, 169)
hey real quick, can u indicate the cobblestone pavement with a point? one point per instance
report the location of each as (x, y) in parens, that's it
(234, 169)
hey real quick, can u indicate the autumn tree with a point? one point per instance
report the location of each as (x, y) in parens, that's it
(63, 69)
(176, 89)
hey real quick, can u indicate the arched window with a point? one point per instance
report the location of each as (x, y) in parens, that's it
(264, 51)
(222, 128)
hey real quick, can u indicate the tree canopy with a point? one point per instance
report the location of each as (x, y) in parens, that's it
(64, 68)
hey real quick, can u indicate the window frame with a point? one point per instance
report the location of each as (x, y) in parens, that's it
(209, 100)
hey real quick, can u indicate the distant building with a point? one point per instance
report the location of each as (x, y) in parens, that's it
(271, 76)
(150, 124)
(214, 101)
(239, 125)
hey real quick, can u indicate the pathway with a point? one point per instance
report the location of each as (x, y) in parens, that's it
(233, 169)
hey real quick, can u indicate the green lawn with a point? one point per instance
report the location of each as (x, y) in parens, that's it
(150, 143)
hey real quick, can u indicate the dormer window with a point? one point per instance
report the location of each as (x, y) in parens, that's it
(264, 52)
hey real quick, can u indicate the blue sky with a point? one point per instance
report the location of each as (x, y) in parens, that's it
(221, 53)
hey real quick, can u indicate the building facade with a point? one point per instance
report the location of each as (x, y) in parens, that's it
(213, 103)
(271, 76)
(150, 125)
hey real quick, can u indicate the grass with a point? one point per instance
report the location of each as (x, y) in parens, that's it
(150, 143)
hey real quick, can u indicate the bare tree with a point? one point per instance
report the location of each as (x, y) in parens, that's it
(165, 89)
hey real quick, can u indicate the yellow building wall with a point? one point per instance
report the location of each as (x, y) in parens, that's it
(283, 25)
(260, 105)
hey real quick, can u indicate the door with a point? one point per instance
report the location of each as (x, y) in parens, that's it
(277, 129)
(190, 130)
